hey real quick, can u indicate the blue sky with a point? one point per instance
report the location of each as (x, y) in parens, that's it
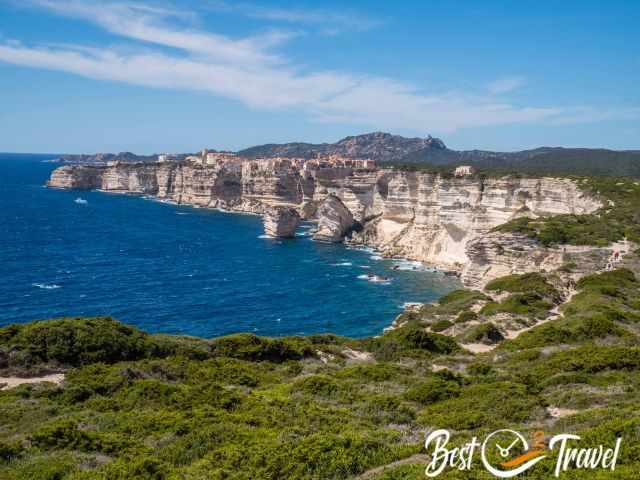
(153, 76)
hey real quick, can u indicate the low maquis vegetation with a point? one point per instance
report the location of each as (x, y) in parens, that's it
(152, 407)
(508, 303)
(140, 406)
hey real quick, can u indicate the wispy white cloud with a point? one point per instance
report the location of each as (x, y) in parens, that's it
(248, 70)
(157, 26)
(329, 20)
(506, 85)
(586, 114)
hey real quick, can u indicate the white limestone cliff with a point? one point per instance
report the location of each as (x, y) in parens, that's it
(445, 221)
(430, 218)
(281, 222)
(334, 220)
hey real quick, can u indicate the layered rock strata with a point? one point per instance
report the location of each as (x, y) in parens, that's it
(334, 220)
(281, 222)
(498, 254)
(441, 220)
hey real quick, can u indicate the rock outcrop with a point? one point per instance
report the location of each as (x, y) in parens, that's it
(77, 178)
(379, 146)
(281, 222)
(497, 254)
(334, 220)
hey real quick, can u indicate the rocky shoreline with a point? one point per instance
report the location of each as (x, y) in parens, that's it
(444, 221)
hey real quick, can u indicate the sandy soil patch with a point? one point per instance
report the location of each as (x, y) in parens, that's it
(12, 382)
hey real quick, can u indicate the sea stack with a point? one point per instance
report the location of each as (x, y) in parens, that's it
(334, 220)
(281, 222)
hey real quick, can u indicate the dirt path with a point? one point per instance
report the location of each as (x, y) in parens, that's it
(412, 460)
(12, 382)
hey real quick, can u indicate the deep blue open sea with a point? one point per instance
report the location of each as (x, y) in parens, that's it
(175, 269)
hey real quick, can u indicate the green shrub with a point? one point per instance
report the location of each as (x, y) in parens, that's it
(75, 341)
(65, 434)
(411, 339)
(608, 281)
(525, 304)
(433, 390)
(487, 405)
(528, 283)
(466, 316)
(454, 302)
(574, 330)
(458, 296)
(483, 333)
(10, 451)
(374, 372)
(321, 385)
(248, 346)
(440, 325)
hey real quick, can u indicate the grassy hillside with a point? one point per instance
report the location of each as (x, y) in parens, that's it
(540, 161)
(139, 406)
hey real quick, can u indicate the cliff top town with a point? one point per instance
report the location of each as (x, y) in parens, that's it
(384, 149)
(233, 160)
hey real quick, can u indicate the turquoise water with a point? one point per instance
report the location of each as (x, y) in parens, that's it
(175, 269)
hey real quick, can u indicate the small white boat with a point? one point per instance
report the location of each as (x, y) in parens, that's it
(81, 201)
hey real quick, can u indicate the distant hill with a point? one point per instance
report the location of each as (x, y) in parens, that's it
(100, 158)
(430, 151)
(386, 148)
(379, 146)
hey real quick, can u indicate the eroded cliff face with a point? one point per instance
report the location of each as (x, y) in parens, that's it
(76, 177)
(281, 222)
(432, 219)
(443, 221)
(497, 254)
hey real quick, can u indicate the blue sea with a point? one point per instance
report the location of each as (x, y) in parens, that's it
(176, 269)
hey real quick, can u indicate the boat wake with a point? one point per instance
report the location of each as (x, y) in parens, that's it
(46, 286)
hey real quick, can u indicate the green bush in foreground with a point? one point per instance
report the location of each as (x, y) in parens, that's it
(243, 406)
(75, 342)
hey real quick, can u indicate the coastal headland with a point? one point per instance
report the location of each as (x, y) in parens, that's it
(444, 219)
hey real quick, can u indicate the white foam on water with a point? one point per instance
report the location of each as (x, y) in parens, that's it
(265, 236)
(364, 266)
(375, 257)
(342, 264)
(81, 201)
(380, 280)
(406, 305)
(411, 265)
(182, 213)
(375, 279)
(46, 286)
